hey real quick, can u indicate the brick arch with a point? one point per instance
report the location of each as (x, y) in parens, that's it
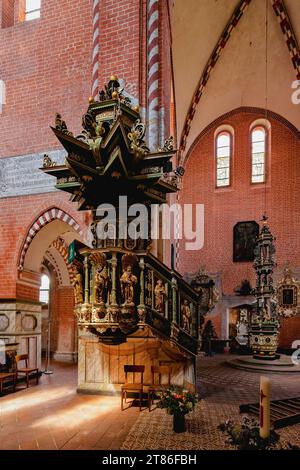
(289, 34)
(47, 263)
(62, 247)
(54, 213)
(290, 39)
(242, 109)
(215, 55)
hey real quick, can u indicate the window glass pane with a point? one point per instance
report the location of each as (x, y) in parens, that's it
(223, 140)
(258, 158)
(44, 296)
(44, 289)
(258, 135)
(223, 159)
(33, 5)
(258, 178)
(224, 182)
(223, 152)
(32, 16)
(223, 173)
(258, 155)
(45, 283)
(258, 169)
(258, 147)
(223, 162)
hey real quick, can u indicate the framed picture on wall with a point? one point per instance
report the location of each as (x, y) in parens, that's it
(244, 238)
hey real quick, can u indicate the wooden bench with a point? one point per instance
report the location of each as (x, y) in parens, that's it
(7, 375)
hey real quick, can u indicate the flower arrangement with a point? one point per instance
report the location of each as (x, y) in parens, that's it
(178, 401)
(246, 436)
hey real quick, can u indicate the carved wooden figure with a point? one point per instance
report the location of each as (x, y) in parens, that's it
(128, 283)
(78, 289)
(100, 284)
(186, 316)
(160, 296)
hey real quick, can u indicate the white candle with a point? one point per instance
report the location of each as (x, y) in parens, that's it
(264, 408)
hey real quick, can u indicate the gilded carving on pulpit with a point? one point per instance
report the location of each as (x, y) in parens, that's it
(101, 277)
(186, 316)
(77, 284)
(128, 282)
(100, 285)
(160, 296)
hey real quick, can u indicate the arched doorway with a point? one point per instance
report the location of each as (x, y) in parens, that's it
(45, 282)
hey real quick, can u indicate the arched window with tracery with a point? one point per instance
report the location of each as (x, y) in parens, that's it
(258, 154)
(223, 158)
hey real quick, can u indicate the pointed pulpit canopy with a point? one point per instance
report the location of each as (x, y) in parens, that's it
(109, 157)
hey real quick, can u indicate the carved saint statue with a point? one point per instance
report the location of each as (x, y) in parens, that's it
(186, 316)
(100, 284)
(128, 282)
(78, 289)
(160, 295)
(266, 313)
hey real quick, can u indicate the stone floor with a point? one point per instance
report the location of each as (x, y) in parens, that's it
(53, 416)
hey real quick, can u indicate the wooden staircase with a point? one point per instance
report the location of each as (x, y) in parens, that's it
(282, 413)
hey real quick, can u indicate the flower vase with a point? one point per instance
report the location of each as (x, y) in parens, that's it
(179, 422)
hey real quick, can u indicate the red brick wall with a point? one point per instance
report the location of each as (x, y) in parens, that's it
(289, 332)
(62, 318)
(46, 65)
(7, 12)
(27, 293)
(120, 48)
(243, 202)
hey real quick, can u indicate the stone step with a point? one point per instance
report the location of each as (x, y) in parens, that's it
(283, 412)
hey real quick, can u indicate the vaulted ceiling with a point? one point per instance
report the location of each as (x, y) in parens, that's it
(219, 60)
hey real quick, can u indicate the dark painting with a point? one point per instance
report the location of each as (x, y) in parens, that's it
(288, 297)
(244, 238)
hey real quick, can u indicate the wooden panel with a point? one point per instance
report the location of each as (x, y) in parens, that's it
(32, 346)
(114, 364)
(89, 362)
(98, 360)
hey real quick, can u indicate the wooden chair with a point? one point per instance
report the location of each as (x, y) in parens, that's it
(26, 370)
(132, 387)
(7, 375)
(158, 387)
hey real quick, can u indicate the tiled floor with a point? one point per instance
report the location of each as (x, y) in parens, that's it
(222, 390)
(53, 416)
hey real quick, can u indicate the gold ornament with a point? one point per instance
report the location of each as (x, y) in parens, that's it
(91, 100)
(113, 78)
(136, 109)
(115, 95)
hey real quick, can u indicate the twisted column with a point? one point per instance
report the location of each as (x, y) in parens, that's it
(95, 53)
(153, 73)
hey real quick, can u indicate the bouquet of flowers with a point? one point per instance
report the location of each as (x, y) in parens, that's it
(178, 401)
(246, 436)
